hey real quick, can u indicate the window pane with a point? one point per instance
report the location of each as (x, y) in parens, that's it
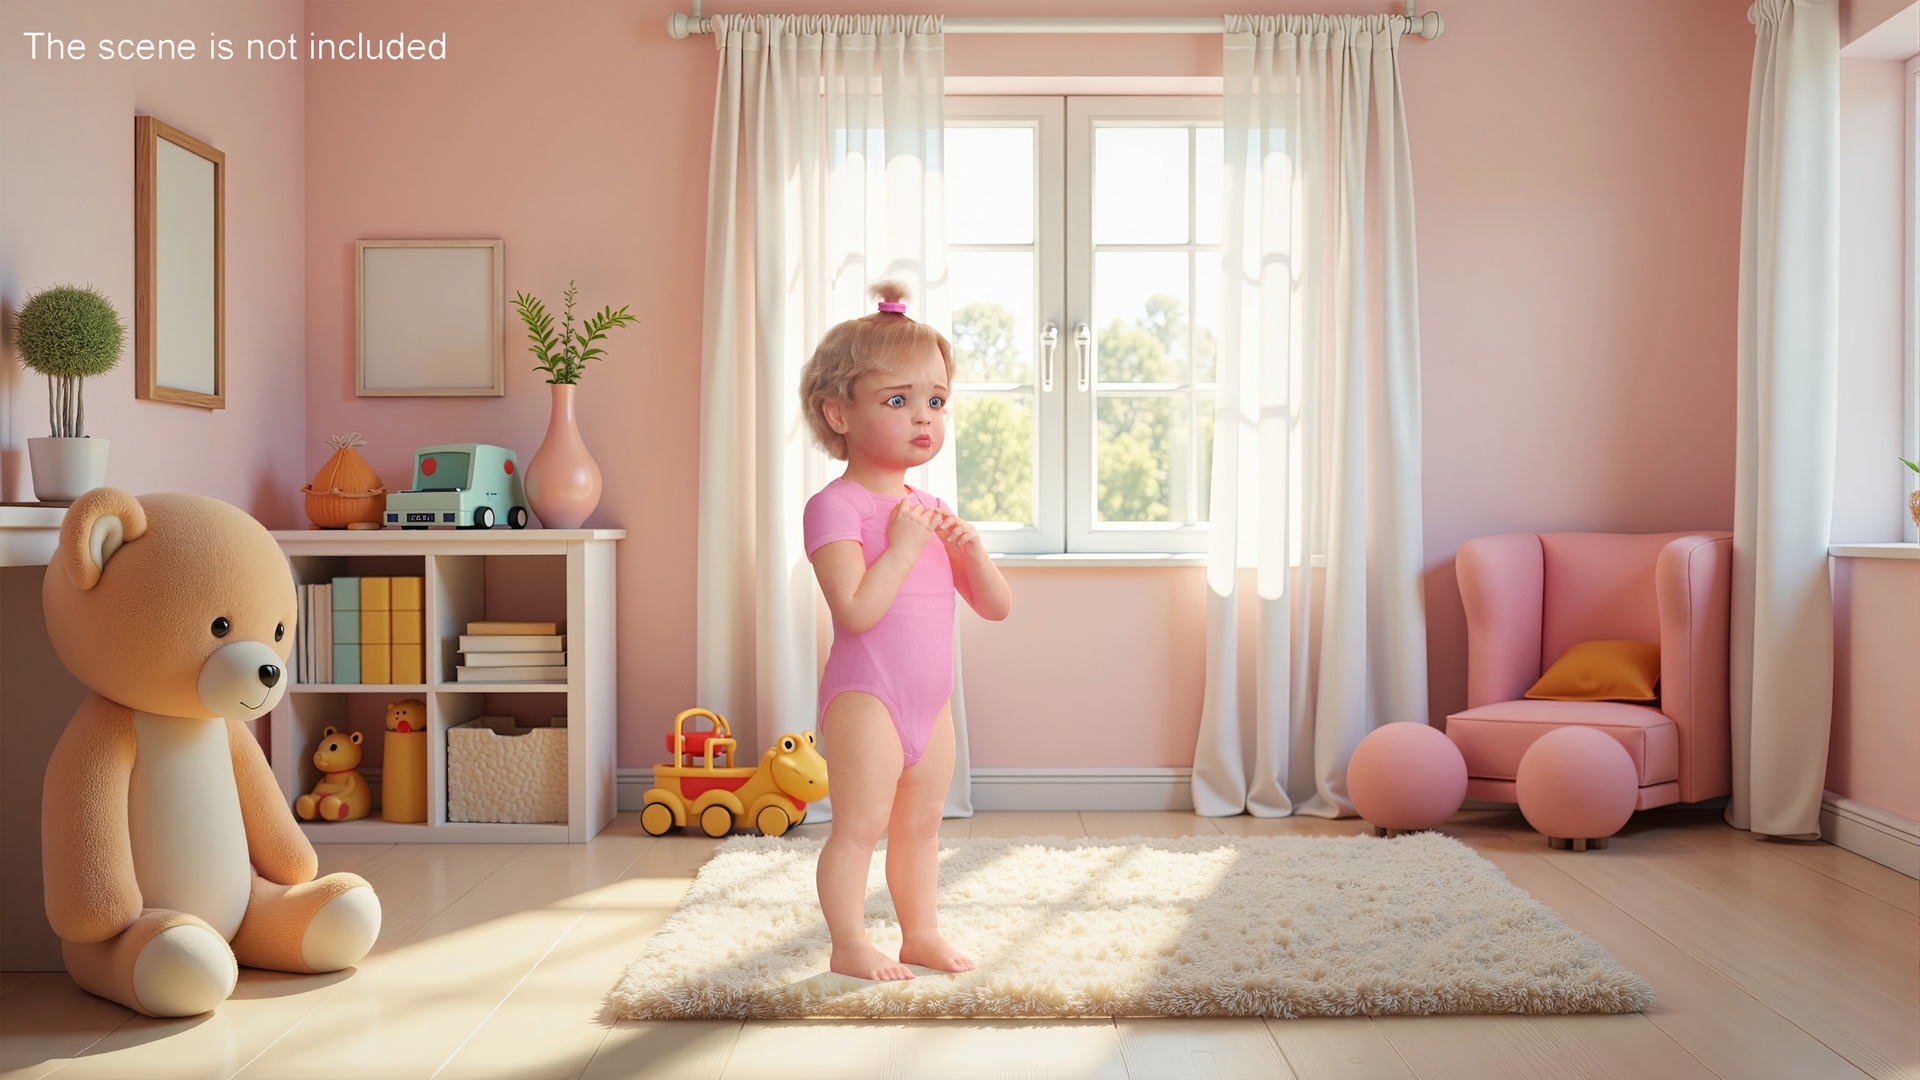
(989, 185)
(1206, 315)
(993, 332)
(993, 437)
(1140, 315)
(1209, 166)
(1139, 185)
(1142, 458)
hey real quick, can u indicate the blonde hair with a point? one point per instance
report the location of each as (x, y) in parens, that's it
(870, 343)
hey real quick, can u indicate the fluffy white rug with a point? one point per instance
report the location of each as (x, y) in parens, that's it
(1258, 926)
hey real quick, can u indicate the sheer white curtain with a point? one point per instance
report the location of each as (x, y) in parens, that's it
(826, 176)
(1317, 444)
(1782, 655)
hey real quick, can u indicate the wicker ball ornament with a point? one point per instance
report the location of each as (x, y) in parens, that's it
(346, 492)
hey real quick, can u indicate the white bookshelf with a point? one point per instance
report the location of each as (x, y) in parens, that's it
(455, 566)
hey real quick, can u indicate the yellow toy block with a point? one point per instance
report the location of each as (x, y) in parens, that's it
(408, 663)
(407, 629)
(408, 594)
(376, 663)
(376, 594)
(376, 627)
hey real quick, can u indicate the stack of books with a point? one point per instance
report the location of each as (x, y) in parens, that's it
(362, 630)
(313, 635)
(513, 652)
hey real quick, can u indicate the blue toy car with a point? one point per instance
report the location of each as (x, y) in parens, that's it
(466, 485)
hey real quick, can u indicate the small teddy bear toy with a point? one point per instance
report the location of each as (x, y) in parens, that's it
(343, 794)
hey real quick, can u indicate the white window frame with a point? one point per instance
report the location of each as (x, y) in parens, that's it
(1065, 486)
(1084, 532)
(1046, 115)
(1911, 397)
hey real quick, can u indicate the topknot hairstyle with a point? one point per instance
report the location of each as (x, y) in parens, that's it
(869, 343)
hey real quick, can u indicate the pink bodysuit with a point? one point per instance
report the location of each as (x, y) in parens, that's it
(906, 659)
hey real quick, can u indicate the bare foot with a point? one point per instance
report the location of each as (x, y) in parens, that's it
(928, 949)
(863, 961)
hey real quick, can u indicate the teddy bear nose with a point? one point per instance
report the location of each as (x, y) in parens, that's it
(269, 674)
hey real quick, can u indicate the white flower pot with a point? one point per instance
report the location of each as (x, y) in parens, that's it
(65, 469)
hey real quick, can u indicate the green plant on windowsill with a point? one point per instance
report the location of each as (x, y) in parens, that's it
(563, 356)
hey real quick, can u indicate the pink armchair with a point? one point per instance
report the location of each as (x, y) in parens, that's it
(1529, 596)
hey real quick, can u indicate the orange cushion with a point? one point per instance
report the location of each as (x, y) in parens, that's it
(1602, 671)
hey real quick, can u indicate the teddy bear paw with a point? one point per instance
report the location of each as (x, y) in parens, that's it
(184, 971)
(342, 931)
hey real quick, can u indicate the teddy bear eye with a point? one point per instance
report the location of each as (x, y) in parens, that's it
(279, 631)
(221, 626)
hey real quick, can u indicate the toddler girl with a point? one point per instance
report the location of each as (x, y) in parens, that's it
(875, 394)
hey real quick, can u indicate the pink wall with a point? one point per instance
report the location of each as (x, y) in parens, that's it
(66, 217)
(1874, 755)
(1577, 259)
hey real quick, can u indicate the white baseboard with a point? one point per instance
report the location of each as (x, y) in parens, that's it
(1126, 788)
(1886, 838)
(1130, 788)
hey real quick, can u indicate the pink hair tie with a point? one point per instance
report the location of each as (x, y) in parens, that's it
(897, 309)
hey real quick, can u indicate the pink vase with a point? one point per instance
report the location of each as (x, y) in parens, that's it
(563, 483)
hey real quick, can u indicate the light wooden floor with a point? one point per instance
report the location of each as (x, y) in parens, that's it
(1771, 960)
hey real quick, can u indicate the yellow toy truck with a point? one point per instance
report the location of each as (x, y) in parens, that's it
(771, 797)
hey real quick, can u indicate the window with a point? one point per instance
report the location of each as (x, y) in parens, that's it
(1084, 239)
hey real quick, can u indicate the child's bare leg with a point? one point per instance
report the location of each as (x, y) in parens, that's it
(863, 761)
(913, 853)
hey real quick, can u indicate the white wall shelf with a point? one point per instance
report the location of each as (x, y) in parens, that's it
(1874, 551)
(454, 564)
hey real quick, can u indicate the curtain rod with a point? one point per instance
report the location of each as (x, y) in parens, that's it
(680, 25)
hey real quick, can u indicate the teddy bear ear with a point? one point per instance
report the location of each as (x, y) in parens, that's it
(95, 526)
(329, 732)
(355, 739)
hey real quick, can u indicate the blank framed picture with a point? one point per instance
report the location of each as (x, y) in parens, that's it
(431, 318)
(179, 258)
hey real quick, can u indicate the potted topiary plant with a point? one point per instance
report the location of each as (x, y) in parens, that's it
(69, 335)
(562, 481)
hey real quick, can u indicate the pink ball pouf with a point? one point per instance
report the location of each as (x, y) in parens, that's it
(1406, 776)
(1578, 786)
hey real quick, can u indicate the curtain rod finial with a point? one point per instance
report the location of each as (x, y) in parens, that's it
(681, 25)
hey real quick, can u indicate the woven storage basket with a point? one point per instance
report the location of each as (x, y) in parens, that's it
(499, 772)
(346, 491)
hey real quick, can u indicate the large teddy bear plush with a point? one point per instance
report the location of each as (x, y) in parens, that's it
(170, 855)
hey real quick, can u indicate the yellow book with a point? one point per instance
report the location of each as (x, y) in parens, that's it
(376, 594)
(408, 594)
(376, 663)
(406, 627)
(376, 627)
(408, 663)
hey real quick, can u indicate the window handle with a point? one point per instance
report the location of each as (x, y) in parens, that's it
(1083, 344)
(1049, 342)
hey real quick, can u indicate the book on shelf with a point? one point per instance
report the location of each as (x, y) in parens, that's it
(510, 674)
(322, 636)
(516, 659)
(513, 643)
(345, 611)
(497, 628)
(303, 634)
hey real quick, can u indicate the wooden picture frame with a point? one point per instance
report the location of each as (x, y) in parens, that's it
(430, 318)
(179, 267)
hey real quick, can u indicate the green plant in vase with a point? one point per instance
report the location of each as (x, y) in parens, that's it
(562, 480)
(69, 335)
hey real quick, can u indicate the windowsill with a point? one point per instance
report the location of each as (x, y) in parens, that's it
(1874, 551)
(1096, 559)
(1118, 559)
